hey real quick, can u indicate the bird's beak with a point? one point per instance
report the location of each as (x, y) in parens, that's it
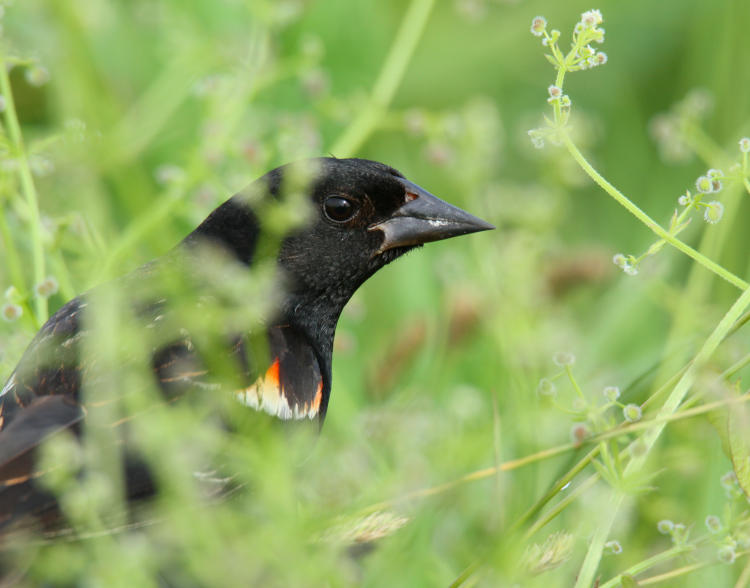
(425, 218)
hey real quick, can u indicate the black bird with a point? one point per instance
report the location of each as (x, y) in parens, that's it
(362, 215)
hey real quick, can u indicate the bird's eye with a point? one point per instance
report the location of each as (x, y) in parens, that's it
(339, 209)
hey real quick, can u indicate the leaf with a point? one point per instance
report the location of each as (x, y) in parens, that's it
(739, 443)
(628, 581)
(551, 59)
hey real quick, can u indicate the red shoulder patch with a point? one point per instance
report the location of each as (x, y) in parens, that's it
(267, 393)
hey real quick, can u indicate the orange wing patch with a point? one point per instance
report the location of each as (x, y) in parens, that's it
(267, 394)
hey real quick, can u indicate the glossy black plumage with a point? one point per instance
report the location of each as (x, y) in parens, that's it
(361, 216)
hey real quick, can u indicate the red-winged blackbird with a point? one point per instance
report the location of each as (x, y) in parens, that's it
(364, 215)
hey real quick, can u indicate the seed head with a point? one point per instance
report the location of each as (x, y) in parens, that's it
(46, 288)
(665, 526)
(704, 185)
(611, 393)
(680, 533)
(745, 144)
(552, 553)
(632, 413)
(563, 358)
(12, 294)
(713, 212)
(11, 312)
(591, 18)
(538, 26)
(579, 433)
(599, 58)
(613, 547)
(713, 524)
(537, 138)
(546, 387)
(729, 480)
(37, 75)
(726, 554)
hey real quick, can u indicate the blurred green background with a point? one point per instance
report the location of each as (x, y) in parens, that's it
(155, 111)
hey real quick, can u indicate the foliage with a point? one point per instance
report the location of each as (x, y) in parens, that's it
(507, 407)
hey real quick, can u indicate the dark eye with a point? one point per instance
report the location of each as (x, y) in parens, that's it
(339, 209)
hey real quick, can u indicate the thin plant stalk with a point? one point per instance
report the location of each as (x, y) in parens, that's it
(27, 187)
(388, 81)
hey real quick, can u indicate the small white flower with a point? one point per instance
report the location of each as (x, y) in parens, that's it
(745, 144)
(713, 212)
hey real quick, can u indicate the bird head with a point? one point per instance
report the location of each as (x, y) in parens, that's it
(353, 216)
(363, 215)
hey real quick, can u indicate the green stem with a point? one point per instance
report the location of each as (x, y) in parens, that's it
(562, 505)
(647, 220)
(683, 386)
(391, 74)
(11, 258)
(649, 563)
(555, 489)
(650, 436)
(27, 186)
(596, 548)
(736, 367)
(13, 262)
(576, 387)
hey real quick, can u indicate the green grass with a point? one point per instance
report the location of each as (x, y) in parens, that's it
(437, 442)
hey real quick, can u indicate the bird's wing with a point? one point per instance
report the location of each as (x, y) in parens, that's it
(35, 423)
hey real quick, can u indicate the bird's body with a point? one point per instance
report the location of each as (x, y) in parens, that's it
(361, 215)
